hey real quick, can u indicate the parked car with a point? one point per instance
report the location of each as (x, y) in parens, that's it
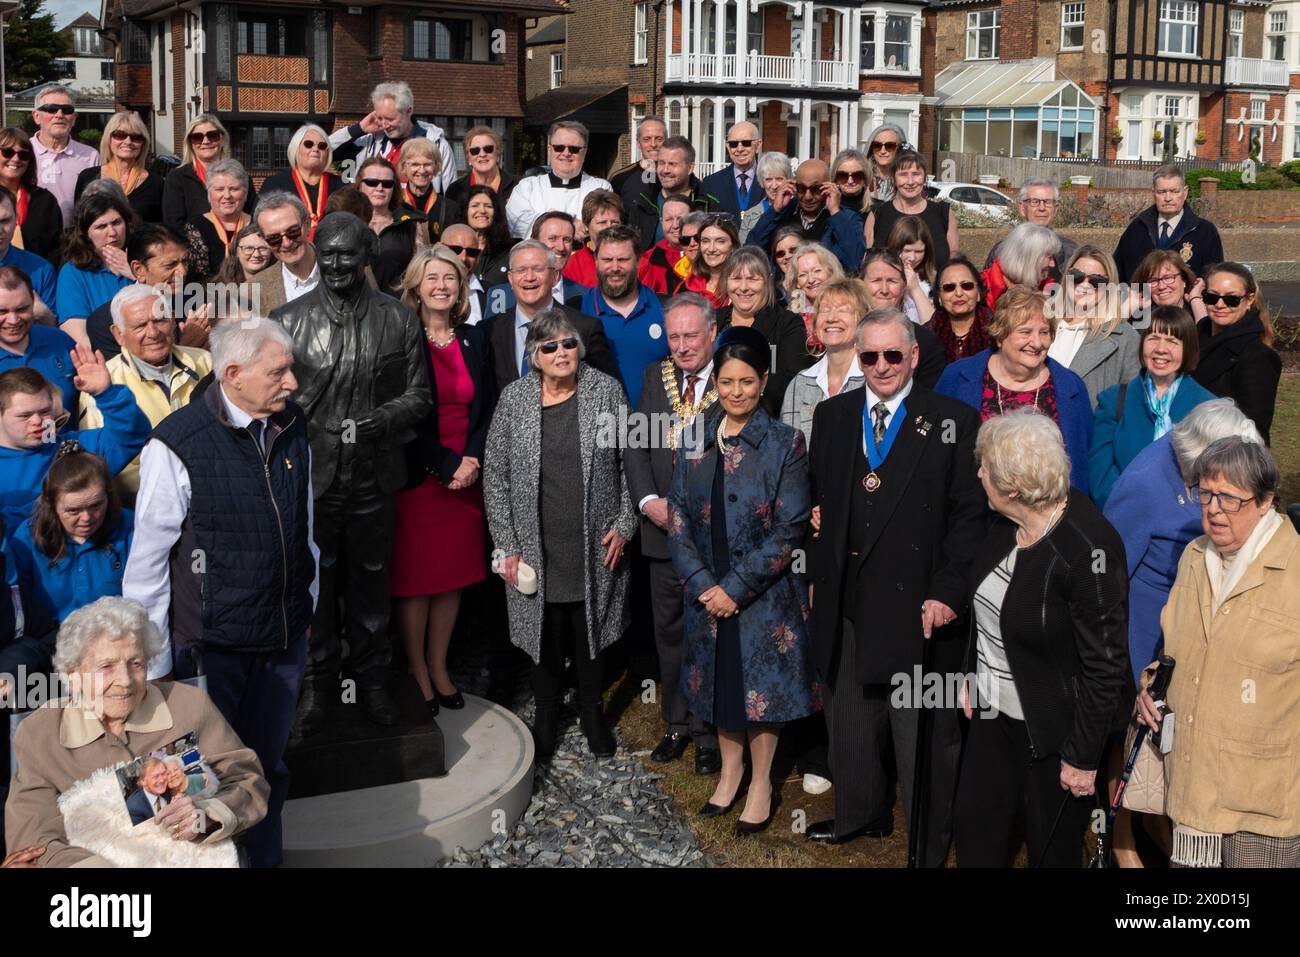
(975, 199)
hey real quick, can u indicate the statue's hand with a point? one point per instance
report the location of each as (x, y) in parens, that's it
(370, 428)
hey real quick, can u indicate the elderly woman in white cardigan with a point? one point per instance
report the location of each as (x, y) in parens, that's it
(65, 806)
(558, 504)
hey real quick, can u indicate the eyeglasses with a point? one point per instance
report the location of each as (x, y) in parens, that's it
(276, 240)
(802, 188)
(379, 183)
(1227, 503)
(966, 284)
(690, 240)
(252, 252)
(1228, 299)
(119, 135)
(1040, 203)
(67, 109)
(9, 152)
(870, 357)
(567, 148)
(528, 270)
(486, 150)
(1093, 279)
(845, 176)
(470, 251)
(211, 136)
(1168, 280)
(315, 144)
(551, 347)
(884, 146)
(739, 144)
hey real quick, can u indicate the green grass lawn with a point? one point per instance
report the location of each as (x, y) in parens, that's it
(1285, 435)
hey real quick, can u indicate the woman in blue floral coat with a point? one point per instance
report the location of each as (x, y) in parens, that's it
(735, 519)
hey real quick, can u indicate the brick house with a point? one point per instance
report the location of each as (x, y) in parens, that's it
(266, 68)
(84, 69)
(1135, 80)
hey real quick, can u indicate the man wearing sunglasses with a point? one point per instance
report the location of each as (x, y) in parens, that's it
(385, 128)
(1039, 201)
(658, 261)
(812, 203)
(736, 185)
(1169, 223)
(564, 187)
(284, 223)
(59, 158)
(673, 176)
(898, 514)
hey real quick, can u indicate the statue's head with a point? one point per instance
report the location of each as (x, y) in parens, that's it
(344, 247)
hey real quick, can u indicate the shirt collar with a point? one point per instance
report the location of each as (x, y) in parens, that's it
(161, 373)
(821, 372)
(293, 282)
(520, 318)
(79, 727)
(1173, 221)
(703, 374)
(475, 283)
(557, 291)
(237, 416)
(892, 404)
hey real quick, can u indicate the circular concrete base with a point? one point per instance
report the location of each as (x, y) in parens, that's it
(487, 787)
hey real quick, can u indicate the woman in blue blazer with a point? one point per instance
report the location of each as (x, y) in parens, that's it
(1017, 373)
(1132, 415)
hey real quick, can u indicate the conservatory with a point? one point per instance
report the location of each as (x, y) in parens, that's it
(1017, 109)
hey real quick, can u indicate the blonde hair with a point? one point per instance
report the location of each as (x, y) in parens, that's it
(129, 121)
(1024, 457)
(419, 146)
(824, 256)
(848, 290)
(476, 131)
(414, 275)
(187, 151)
(1099, 324)
(1016, 306)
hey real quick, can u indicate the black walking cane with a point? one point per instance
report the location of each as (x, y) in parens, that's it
(920, 771)
(1159, 687)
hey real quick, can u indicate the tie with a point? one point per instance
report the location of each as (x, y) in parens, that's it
(691, 382)
(744, 186)
(1164, 235)
(880, 411)
(523, 360)
(257, 429)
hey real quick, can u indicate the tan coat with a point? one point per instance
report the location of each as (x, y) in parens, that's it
(1235, 765)
(58, 746)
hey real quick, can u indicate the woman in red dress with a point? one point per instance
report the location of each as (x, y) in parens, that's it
(440, 542)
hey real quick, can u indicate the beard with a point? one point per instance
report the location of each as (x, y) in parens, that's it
(613, 288)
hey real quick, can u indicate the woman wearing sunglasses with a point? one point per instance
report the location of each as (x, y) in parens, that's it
(484, 154)
(212, 235)
(395, 224)
(1236, 343)
(485, 213)
(883, 146)
(124, 158)
(849, 173)
(1016, 372)
(1132, 415)
(1094, 339)
(40, 222)
(717, 239)
(308, 176)
(773, 171)
(1164, 279)
(185, 191)
(909, 199)
(557, 504)
(911, 239)
(94, 266)
(961, 318)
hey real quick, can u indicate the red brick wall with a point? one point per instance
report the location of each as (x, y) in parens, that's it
(177, 107)
(1018, 38)
(133, 85)
(776, 30)
(773, 127)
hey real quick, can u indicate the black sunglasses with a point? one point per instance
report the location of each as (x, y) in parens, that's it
(315, 144)
(966, 284)
(1231, 300)
(551, 347)
(67, 109)
(1096, 280)
(379, 183)
(475, 150)
(567, 148)
(846, 176)
(121, 135)
(869, 358)
(470, 251)
(211, 136)
(276, 240)
(690, 240)
(741, 144)
(9, 152)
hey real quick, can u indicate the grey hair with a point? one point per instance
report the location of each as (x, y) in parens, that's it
(884, 316)
(891, 127)
(1203, 426)
(397, 91)
(692, 300)
(278, 199)
(229, 167)
(131, 294)
(1029, 184)
(696, 218)
(240, 342)
(104, 186)
(552, 260)
(111, 617)
(573, 125)
(547, 325)
(1024, 456)
(299, 135)
(50, 89)
(1168, 171)
(1245, 464)
(849, 154)
(1023, 250)
(773, 164)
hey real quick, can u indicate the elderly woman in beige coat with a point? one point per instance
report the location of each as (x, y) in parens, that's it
(1232, 624)
(65, 807)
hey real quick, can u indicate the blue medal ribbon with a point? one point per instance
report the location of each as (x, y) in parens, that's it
(876, 456)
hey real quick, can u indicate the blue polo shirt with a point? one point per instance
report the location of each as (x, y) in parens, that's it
(48, 353)
(86, 572)
(80, 291)
(38, 270)
(636, 340)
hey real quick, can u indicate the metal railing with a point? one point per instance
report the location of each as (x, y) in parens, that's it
(758, 68)
(1248, 71)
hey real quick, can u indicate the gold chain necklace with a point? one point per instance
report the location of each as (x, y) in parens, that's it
(683, 412)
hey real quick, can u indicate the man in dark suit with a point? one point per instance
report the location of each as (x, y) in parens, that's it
(151, 797)
(464, 242)
(1168, 223)
(555, 231)
(533, 273)
(678, 388)
(736, 184)
(899, 511)
(673, 176)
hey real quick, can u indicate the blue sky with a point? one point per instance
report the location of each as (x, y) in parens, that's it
(65, 11)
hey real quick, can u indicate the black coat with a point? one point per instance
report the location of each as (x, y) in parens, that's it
(1236, 364)
(459, 190)
(784, 330)
(500, 330)
(933, 357)
(1064, 627)
(146, 199)
(396, 248)
(186, 198)
(926, 523)
(1140, 238)
(426, 455)
(43, 230)
(641, 200)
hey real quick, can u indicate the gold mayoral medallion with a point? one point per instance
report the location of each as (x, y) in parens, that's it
(683, 411)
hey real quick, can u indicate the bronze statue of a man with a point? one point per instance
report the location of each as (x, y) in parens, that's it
(363, 385)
